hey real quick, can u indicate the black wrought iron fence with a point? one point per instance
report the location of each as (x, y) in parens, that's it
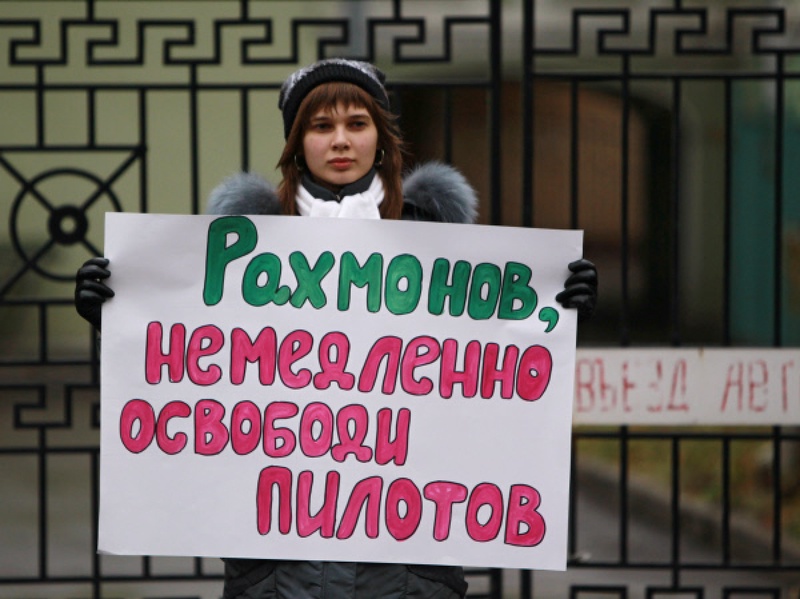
(668, 131)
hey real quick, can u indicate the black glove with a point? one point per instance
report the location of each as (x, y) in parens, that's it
(91, 291)
(580, 289)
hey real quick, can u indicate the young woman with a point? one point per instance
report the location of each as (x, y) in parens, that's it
(343, 158)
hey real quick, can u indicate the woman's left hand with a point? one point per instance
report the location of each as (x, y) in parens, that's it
(91, 290)
(580, 289)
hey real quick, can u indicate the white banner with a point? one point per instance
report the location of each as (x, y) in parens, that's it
(687, 386)
(297, 388)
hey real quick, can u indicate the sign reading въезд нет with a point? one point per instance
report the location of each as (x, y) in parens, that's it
(297, 388)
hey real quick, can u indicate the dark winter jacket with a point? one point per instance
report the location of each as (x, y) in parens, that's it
(432, 192)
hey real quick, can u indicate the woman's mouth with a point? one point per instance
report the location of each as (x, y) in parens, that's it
(340, 163)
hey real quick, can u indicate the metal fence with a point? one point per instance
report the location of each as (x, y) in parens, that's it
(669, 131)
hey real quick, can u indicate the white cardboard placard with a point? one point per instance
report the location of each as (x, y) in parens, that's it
(249, 411)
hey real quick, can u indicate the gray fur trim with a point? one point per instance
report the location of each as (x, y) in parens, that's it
(442, 192)
(439, 192)
(243, 193)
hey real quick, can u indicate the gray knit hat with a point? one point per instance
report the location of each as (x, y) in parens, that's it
(298, 84)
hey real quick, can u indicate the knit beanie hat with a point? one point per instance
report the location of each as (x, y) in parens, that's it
(296, 87)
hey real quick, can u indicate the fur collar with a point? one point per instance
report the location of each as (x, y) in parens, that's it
(432, 191)
(243, 193)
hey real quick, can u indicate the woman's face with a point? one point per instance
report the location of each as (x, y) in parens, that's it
(339, 146)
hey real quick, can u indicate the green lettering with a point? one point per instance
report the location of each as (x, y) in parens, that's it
(516, 291)
(309, 280)
(219, 254)
(260, 295)
(484, 292)
(456, 291)
(369, 275)
(403, 268)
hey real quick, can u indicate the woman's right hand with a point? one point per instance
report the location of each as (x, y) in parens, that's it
(91, 290)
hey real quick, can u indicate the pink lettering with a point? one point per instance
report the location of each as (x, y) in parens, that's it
(490, 496)
(366, 494)
(584, 384)
(654, 386)
(211, 436)
(175, 444)
(492, 373)
(278, 441)
(627, 386)
(295, 346)
(155, 359)
(450, 376)
(385, 347)
(419, 352)
(205, 341)
(325, 519)
(274, 476)
(333, 369)
(245, 427)
(444, 494)
(733, 382)
(677, 396)
(533, 377)
(387, 450)
(316, 415)
(403, 491)
(352, 441)
(262, 350)
(525, 526)
(141, 412)
(758, 376)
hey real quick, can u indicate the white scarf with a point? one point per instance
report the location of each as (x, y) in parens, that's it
(359, 205)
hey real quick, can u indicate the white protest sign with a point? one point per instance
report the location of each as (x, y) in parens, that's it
(687, 386)
(331, 389)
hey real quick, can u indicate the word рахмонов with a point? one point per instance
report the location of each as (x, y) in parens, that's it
(483, 291)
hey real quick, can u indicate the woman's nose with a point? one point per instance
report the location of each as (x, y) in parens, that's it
(340, 139)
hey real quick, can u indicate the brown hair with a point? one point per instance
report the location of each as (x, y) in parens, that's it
(326, 97)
